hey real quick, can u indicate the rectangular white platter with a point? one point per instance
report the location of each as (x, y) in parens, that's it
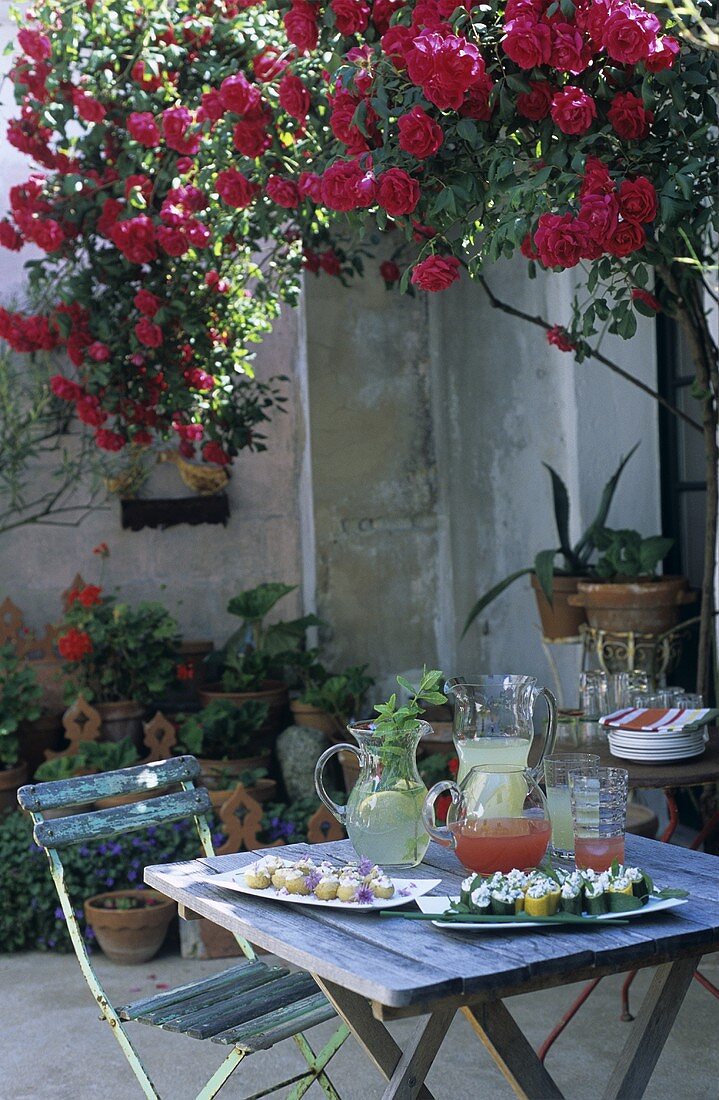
(405, 890)
(439, 905)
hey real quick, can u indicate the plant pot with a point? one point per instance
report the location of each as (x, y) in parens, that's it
(317, 719)
(130, 936)
(274, 692)
(638, 606)
(212, 770)
(262, 791)
(10, 780)
(217, 941)
(36, 738)
(194, 652)
(560, 619)
(122, 719)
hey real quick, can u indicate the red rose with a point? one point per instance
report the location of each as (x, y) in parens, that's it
(141, 126)
(148, 81)
(419, 134)
(213, 452)
(250, 137)
(527, 248)
(527, 42)
(199, 379)
(330, 262)
(560, 240)
(309, 186)
(198, 233)
(143, 185)
(396, 42)
(397, 192)
(294, 97)
(235, 189)
(569, 53)
(639, 295)
(638, 200)
(111, 210)
(629, 117)
(35, 44)
(598, 216)
(172, 240)
(557, 336)
(189, 432)
(389, 271)
(351, 16)
(109, 441)
(268, 64)
(436, 273)
(148, 333)
(536, 104)
(88, 108)
(135, 238)
(477, 104)
(597, 180)
(662, 54)
(283, 191)
(628, 33)
(146, 302)
(238, 95)
(573, 110)
(445, 66)
(9, 236)
(175, 124)
(310, 261)
(346, 187)
(142, 438)
(47, 235)
(382, 12)
(212, 106)
(64, 388)
(99, 352)
(301, 25)
(344, 128)
(627, 238)
(89, 411)
(74, 645)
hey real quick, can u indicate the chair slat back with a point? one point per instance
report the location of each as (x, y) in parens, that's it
(81, 789)
(105, 824)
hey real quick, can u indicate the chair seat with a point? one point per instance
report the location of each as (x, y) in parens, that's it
(252, 1006)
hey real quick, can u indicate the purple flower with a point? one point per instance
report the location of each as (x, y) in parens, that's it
(365, 865)
(364, 895)
(59, 915)
(312, 879)
(405, 892)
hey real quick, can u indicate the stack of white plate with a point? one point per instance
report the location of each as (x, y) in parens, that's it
(655, 746)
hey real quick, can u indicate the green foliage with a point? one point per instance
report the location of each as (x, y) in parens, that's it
(341, 694)
(92, 756)
(20, 696)
(223, 730)
(434, 768)
(626, 554)
(61, 767)
(394, 720)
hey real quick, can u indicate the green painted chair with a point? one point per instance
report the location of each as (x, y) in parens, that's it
(249, 1007)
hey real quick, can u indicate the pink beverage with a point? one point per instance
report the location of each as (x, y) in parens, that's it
(598, 852)
(501, 843)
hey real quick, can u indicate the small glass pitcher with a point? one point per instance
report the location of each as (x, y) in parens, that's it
(493, 721)
(498, 819)
(383, 815)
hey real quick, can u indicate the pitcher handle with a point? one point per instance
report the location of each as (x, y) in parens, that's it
(441, 833)
(340, 812)
(551, 735)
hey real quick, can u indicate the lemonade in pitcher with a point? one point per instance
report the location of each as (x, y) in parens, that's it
(491, 750)
(385, 825)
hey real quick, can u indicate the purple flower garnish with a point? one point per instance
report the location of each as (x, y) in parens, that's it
(405, 892)
(364, 895)
(365, 865)
(312, 879)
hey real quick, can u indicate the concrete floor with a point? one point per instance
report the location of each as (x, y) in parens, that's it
(54, 1047)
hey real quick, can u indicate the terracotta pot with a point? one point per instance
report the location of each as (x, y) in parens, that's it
(274, 692)
(350, 768)
(10, 780)
(639, 606)
(317, 719)
(38, 737)
(122, 719)
(130, 936)
(262, 791)
(560, 619)
(212, 770)
(217, 941)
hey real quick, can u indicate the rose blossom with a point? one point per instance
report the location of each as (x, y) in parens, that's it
(629, 32)
(175, 124)
(573, 110)
(536, 104)
(148, 333)
(445, 66)
(235, 189)
(476, 104)
(88, 108)
(397, 192)
(109, 441)
(35, 44)
(268, 64)
(213, 452)
(419, 134)
(527, 42)
(396, 42)
(172, 240)
(146, 302)
(640, 295)
(389, 271)
(597, 180)
(569, 54)
(627, 238)
(629, 117)
(142, 127)
(294, 97)
(560, 240)
(238, 95)
(250, 137)
(346, 187)
(351, 16)
(330, 262)
(309, 186)
(598, 215)
(557, 336)
(436, 273)
(47, 235)
(74, 645)
(9, 236)
(88, 410)
(135, 238)
(662, 54)
(301, 25)
(283, 191)
(98, 351)
(64, 388)
(638, 200)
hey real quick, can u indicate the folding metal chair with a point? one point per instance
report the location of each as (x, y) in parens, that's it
(249, 1007)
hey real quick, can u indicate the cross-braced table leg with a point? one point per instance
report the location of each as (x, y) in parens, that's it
(406, 1070)
(511, 1051)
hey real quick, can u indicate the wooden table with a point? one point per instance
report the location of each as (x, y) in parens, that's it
(376, 968)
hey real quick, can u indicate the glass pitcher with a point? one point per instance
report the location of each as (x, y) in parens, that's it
(493, 721)
(498, 819)
(383, 815)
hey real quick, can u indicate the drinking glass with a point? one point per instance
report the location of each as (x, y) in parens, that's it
(599, 813)
(593, 699)
(648, 699)
(622, 686)
(690, 701)
(557, 770)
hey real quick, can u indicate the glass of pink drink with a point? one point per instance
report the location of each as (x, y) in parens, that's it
(599, 813)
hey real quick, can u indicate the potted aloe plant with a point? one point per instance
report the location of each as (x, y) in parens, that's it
(20, 696)
(554, 585)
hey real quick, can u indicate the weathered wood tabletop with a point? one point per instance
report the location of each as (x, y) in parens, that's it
(407, 968)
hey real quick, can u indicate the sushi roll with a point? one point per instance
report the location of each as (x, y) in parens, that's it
(620, 895)
(641, 887)
(506, 901)
(595, 896)
(542, 897)
(469, 884)
(480, 900)
(571, 894)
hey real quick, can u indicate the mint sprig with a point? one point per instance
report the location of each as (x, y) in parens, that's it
(395, 720)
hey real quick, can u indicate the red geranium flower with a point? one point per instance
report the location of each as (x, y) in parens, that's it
(74, 645)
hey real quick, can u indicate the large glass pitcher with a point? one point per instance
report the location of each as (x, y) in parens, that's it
(383, 815)
(493, 721)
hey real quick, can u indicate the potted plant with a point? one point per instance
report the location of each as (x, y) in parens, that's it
(223, 737)
(222, 781)
(553, 586)
(626, 594)
(327, 701)
(118, 657)
(130, 925)
(250, 665)
(19, 702)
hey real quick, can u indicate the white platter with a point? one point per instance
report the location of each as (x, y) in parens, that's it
(405, 890)
(438, 906)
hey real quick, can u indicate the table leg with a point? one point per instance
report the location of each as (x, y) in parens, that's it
(651, 1030)
(511, 1051)
(405, 1071)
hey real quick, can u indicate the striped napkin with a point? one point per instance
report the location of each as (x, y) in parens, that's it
(655, 719)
